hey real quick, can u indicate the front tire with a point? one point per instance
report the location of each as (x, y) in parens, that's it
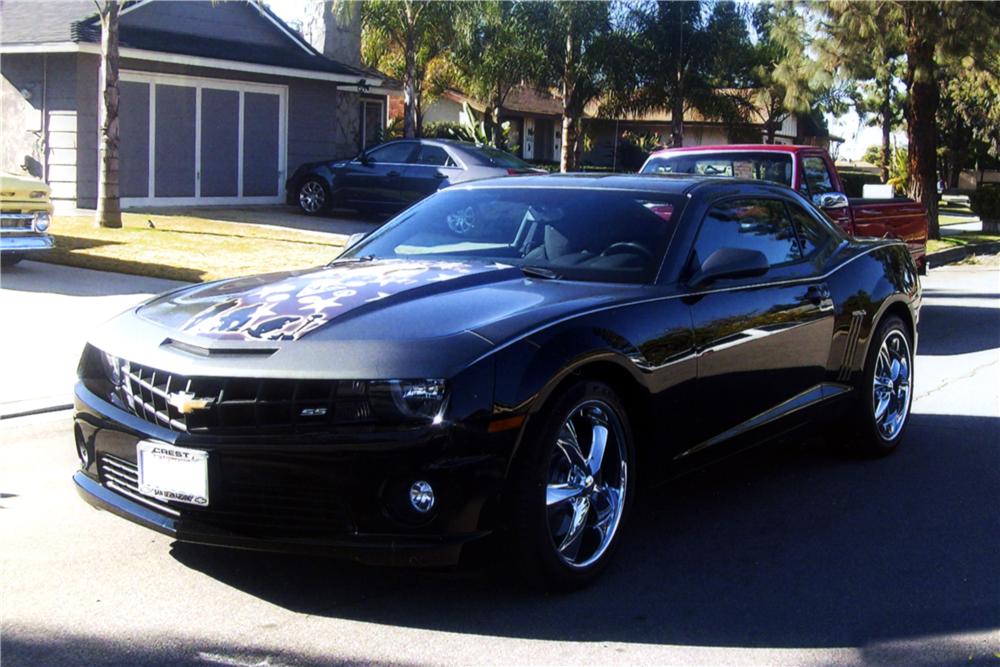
(885, 394)
(8, 260)
(314, 196)
(572, 488)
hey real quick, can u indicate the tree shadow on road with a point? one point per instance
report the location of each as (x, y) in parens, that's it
(948, 330)
(795, 546)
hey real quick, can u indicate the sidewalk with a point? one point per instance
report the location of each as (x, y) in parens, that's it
(49, 311)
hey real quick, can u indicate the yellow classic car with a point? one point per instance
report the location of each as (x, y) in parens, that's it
(25, 216)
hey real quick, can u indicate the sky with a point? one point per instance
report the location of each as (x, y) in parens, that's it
(288, 10)
(857, 137)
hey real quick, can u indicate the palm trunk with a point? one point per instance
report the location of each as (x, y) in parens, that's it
(920, 116)
(567, 154)
(410, 109)
(677, 120)
(677, 112)
(567, 157)
(109, 212)
(886, 129)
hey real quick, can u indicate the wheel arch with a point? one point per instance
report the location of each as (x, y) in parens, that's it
(899, 307)
(609, 369)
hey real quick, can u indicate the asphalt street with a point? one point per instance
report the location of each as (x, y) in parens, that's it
(791, 556)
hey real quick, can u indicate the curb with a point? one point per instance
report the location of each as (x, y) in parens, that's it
(37, 411)
(952, 255)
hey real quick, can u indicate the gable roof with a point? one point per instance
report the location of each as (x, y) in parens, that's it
(244, 31)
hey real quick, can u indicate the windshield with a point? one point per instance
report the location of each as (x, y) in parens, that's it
(499, 158)
(591, 235)
(757, 166)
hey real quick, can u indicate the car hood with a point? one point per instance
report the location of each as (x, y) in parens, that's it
(358, 318)
(15, 188)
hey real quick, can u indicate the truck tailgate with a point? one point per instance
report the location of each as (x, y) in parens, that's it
(892, 218)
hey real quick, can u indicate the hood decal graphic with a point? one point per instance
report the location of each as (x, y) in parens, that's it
(292, 307)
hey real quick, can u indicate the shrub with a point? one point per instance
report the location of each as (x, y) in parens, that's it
(985, 202)
(441, 129)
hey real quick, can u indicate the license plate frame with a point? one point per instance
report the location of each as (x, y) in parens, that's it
(171, 473)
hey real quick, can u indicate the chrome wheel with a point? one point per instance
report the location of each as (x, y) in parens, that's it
(891, 385)
(585, 494)
(312, 196)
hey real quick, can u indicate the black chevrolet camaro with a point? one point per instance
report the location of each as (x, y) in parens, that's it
(503, 361)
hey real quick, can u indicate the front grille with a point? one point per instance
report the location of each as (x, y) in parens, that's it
(17, 221)
(247, 405)
(123, 476)
(273, 498)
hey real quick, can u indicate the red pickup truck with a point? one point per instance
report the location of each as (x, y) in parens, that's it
(811, 172)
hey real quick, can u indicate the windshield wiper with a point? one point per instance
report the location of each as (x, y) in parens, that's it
(539, 272)
(362, 258)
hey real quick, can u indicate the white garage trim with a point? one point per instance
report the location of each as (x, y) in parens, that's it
(198, 83)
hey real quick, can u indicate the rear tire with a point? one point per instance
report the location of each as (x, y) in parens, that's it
(571, 489)
(314, 196)
(885, 393)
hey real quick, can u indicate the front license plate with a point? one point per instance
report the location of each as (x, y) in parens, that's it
(173, 473)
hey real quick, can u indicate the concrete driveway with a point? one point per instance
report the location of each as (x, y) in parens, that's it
(49, 311)
(793, 556)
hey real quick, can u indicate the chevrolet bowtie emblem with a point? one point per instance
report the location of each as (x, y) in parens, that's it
(186, 402)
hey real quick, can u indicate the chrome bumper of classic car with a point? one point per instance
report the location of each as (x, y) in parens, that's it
(24, 232)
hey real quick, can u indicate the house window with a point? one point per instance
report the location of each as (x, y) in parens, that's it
(372, 122)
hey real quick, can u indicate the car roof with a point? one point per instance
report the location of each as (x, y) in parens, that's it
(433, 141)
(677, 184)
(732, 148)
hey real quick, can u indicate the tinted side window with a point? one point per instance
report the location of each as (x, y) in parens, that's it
(394, 153)
(816, 175)
(813, 237)
(434, 156)
(751, 224)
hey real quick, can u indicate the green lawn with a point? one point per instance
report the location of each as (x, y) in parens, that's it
(184, 247)
(963, 239)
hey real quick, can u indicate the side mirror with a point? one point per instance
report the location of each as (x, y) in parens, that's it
(829, 200)
(354, 239)
(730, 263)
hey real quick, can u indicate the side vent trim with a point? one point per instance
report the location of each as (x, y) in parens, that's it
(851, 349)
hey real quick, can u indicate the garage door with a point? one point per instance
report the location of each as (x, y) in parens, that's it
(186, 140)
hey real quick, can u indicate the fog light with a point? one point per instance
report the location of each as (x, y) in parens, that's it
(422, 496)
(82, 450)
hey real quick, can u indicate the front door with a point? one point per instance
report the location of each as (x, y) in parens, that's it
(431, 170)
(763, 342)
(377, 181)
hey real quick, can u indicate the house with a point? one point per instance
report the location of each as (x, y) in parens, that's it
(535, 118)
(218, 101)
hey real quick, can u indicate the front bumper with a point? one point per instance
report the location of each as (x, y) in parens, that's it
(25, 243)
(333, 497)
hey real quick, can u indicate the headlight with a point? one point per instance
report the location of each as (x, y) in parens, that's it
(112, 368)
(37, 194)
(414, 399)
(41, 221)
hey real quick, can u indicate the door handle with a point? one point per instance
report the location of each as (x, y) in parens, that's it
(440, 176)
(819, 295)
(393, 174)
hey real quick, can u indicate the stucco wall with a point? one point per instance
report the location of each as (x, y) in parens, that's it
(21, 122)
(51, 81)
